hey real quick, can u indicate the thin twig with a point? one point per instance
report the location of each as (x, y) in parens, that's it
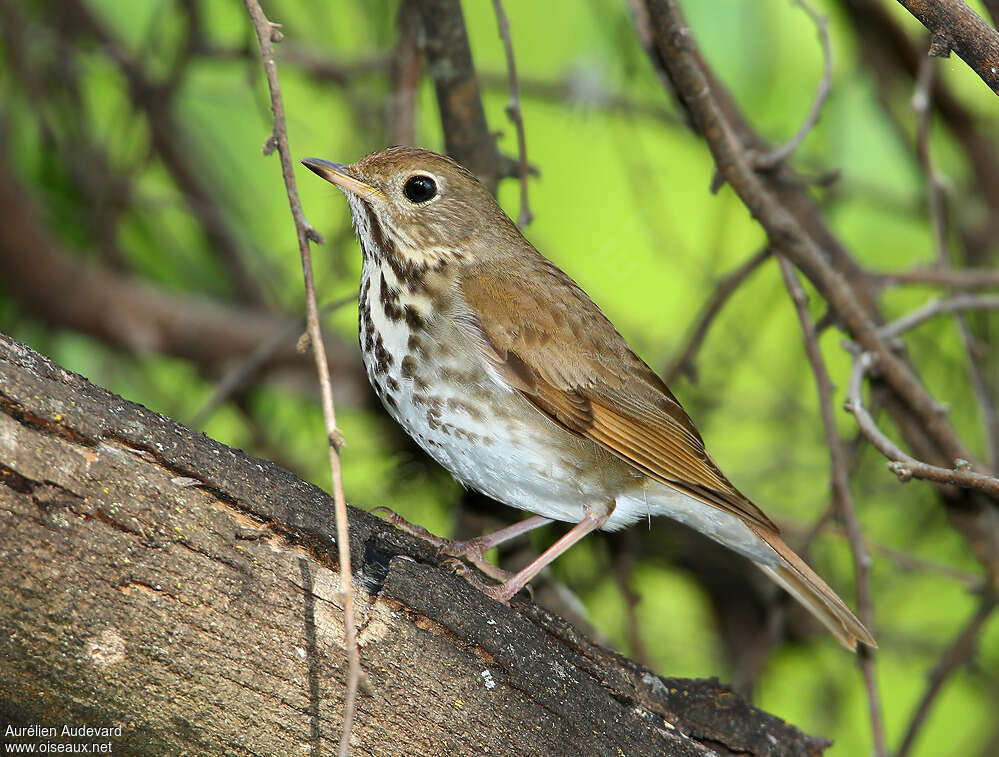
(901, 464)
(960, 652)
(267, 34)
(966, 278)
(839, 474)
(678, 51)
(791, 219)
(938, 307)
(513, 112)
(724, 289)
(782, 153)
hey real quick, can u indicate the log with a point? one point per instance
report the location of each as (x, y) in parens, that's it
(183, 594)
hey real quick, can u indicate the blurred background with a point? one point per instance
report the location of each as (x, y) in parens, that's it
(147, 243)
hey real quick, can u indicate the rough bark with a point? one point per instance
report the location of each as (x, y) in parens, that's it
(956, 27)
(158, 580)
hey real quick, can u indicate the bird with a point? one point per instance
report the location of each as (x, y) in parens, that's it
(505, 372)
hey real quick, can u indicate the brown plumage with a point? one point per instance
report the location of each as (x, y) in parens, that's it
(568, 421)
(571, 364)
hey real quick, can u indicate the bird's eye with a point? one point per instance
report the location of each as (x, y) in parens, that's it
(420, 188)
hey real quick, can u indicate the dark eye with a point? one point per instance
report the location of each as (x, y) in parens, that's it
(420, 188)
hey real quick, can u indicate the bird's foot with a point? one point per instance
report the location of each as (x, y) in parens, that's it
(472, 550)
(500, 592)
(391, 516)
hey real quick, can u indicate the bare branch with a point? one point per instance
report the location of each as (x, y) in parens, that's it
(782, 153)
(903, 465)
(967, 278)
(895, 58)
(795, 227)
(839, 475)
(956, 27)
(959, 653)
(513, 112)
(725, 288)
(783, 228)
(267, 34)
(938, 307)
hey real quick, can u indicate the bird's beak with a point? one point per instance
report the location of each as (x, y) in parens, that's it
(336, 173)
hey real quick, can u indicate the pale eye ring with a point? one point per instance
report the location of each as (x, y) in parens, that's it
(420, 188)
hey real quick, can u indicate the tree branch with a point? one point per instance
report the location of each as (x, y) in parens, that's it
(953, 278)
(796, 232)
(901, 464)
(937, 307)
(785, 151)
(157, 579)
(956, 27)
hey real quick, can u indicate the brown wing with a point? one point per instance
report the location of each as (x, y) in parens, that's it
(569, 361)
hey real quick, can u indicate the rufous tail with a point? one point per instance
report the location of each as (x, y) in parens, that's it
(802, 583)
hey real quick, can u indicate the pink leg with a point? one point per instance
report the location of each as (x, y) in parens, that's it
(486, 542)
(511, 586)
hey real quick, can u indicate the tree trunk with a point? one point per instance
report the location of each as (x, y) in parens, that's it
(160, 582)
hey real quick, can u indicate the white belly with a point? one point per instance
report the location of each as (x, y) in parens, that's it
(498, 443)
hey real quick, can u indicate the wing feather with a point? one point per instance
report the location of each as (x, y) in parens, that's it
(571, 364)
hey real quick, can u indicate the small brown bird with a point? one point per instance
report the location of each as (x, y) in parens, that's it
(508, 374)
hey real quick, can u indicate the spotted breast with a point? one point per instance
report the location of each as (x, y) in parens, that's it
(434, 381)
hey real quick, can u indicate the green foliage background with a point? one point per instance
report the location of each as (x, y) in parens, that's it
(622, 204)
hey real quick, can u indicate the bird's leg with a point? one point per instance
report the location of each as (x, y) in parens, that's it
(595, 517)
(475, 549)
(402, 524)
(472, 550)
